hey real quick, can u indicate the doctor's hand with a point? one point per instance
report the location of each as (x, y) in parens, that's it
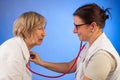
(34, 57)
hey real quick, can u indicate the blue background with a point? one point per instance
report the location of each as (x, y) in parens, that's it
(60, 44)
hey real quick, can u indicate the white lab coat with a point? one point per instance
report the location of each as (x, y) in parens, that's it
(14, 56)
(101, 43)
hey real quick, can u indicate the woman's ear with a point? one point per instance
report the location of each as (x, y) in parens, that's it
(93, 26)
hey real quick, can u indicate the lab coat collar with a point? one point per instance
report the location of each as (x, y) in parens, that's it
(24, 48)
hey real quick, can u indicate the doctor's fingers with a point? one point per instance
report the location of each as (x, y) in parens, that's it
(33, 54)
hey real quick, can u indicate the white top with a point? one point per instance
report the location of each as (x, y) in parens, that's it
(14, 56)
(100, 65)
(101, 43)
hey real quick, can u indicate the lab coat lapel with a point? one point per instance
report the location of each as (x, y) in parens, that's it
(24, 48)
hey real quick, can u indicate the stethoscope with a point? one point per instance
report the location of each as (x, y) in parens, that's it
(81, 48)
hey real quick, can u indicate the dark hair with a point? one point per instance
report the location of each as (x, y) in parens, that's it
(92, 13)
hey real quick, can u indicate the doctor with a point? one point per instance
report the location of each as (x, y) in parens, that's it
(14, 53)
(98, 60)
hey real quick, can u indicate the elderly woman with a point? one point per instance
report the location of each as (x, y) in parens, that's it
(14, 53)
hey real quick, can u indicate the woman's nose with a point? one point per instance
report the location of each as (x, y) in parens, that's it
(74, 30)
(44, 33)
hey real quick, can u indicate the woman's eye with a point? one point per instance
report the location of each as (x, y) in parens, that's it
(40, 28)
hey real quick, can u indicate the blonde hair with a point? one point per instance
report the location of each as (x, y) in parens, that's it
(25, 25)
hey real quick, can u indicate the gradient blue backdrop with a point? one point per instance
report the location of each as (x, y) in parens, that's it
(60, 44)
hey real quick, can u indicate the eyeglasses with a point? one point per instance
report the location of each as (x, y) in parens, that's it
(78, 25)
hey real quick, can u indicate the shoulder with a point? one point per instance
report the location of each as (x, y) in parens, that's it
(103, 57)
(10, 47)
(100, 65)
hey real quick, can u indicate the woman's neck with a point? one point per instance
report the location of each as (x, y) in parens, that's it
(95, 35)
(28, 43)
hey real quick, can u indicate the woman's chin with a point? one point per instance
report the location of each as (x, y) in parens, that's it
(39, 43)
(80, 39)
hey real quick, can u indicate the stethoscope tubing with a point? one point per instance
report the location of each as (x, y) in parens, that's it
(66, 72)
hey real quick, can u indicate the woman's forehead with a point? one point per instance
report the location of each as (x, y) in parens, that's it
(77, 20)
